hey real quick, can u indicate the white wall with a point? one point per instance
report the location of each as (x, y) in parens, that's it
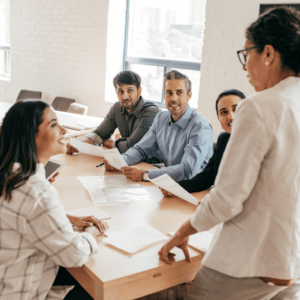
(59, 48)
(224, 33)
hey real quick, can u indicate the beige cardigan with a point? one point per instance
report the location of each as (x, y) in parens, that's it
(256, 198)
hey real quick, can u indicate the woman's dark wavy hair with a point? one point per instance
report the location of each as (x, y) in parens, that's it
(18, 144)
(279, 27)
(233, 92)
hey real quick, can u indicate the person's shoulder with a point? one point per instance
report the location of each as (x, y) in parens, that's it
(199, 120)
(116, 107)
(223, 136)
(150, 107)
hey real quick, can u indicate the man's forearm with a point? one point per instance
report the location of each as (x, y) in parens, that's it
(186, 229)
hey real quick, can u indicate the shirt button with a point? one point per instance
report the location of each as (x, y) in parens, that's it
(170, 147)
(169, 164)
(174, 131)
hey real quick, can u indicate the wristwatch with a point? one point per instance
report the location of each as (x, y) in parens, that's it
(146, 175)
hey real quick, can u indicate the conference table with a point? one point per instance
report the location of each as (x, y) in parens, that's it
(113, 274)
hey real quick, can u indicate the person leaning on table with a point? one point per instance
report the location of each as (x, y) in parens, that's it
(132, 115)
(36, 235)
(182, 136)
(226, 105)
(255, 252)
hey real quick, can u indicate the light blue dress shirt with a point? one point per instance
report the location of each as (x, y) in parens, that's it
(185, 146)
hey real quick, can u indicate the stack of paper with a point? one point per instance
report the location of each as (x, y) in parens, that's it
(167, 183)
(200, 241)
(135, 239)
(86, 148)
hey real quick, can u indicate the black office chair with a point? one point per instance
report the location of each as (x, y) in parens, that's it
(25, 94)
(62, 103)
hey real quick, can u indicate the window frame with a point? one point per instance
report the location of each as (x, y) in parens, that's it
(7, 70)
(167, 64)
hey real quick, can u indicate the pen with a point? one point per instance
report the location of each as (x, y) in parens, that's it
(100, 165)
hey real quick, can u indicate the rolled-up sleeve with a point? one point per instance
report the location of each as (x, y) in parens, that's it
(106, 128)
(49, 230)
(239, 169)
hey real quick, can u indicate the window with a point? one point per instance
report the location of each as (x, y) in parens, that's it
(5, 38)
(162, 35)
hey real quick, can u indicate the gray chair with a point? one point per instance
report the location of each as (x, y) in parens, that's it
(79, 109)
(62, 103)
(25, 94)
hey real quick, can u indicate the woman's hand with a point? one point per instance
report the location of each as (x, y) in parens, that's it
(166, 193)
(52, 179)
(88, 221)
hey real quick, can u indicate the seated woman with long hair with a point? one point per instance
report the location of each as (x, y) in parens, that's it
(36, 235)
(226, 105)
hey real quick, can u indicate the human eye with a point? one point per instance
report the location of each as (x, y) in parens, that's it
(223, 113)
(54, 124)
(120, 92)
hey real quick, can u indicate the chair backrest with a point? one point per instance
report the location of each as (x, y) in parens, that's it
(25, 94)
(79, 109)
(62, 103)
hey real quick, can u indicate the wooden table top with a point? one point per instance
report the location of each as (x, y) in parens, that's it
(111, 266)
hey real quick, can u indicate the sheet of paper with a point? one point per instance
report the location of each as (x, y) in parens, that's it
(101, 182)
(135, 239)
(167, 183)
(114, 158)
(200, 241)
(119, 195)
(89, 211)
(86, 148)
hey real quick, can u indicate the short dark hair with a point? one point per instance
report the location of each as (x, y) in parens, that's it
(279, 27)
(179, 76)
(127, 77)
(18, 144)
(232, 92)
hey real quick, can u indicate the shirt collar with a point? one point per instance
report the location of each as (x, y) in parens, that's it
(184, 120)
(136, 112)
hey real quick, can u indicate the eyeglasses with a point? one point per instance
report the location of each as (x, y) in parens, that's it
(243, 56)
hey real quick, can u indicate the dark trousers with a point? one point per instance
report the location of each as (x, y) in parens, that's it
(63, 277)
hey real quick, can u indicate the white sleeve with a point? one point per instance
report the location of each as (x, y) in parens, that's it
(239, 169)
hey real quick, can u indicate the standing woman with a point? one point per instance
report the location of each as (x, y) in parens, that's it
(255, 252)
(36, 236)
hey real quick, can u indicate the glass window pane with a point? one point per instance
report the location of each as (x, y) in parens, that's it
(194, 77)
(2, 63)
(152, 79)
(166, 29)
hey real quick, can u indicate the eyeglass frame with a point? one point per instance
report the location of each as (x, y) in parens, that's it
(245, 56)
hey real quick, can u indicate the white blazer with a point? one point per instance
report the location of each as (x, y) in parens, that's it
(257, 191)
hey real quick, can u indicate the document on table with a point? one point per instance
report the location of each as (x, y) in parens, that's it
(89, 211)
(135, 239)
(101, 182)
(114, 158)
(119, 195)
(167, 183)
(200, 241)
(86, 148)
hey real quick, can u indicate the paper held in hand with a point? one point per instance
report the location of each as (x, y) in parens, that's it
(86, 148)
(200, 241)
(134, 239)
(167, 183)
(114, 158)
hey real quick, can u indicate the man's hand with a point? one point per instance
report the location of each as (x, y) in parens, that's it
(166, 193)
(176, 241)
(71, 149)
(133, 173)
(88, 221)
(108, 167)
(52, 179)
(109, 143)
